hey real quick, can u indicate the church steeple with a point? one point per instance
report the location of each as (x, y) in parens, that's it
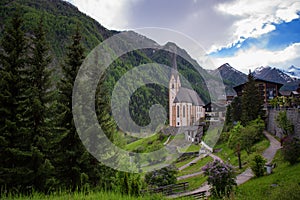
(174, 62)
(174, 71)
(174, 86)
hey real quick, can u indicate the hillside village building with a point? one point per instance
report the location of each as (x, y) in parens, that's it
(185, 106)
(268, 89)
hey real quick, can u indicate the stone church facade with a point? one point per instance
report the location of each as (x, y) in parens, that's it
(185, 106)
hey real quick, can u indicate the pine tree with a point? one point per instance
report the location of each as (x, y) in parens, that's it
(14, 139)
(252, 101)
(39, 101)
(71, 152)
(236, 109)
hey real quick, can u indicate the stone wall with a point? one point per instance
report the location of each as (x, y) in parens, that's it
(292, 114)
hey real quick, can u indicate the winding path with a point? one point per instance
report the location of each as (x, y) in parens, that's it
(268, 154)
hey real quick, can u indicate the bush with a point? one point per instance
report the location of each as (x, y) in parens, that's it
(162, 177)
(221, 177)
(246, 136)
(291, 149)
(258, 165)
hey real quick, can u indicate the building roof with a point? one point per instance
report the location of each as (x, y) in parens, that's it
(295, 93)
(186, 95)
(285, 93)
(259, 80)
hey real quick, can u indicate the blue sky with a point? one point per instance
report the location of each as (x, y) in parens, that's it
(244, 33)
(284, 35)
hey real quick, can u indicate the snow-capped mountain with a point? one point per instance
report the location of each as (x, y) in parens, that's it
(272, 74)
(293, 72)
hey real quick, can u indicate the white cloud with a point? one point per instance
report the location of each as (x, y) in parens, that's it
(256, 17)
(252, 58)
(110, 13)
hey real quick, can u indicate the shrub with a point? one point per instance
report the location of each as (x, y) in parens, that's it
(291, 149)
(246, 136)
(258, 165)
(164, 176)
(221, 177)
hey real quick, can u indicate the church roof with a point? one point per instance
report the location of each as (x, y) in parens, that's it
(186, 95)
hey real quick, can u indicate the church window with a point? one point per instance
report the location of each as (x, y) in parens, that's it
(172, 85)
(183, 111)
(187, 110)
(178, 111)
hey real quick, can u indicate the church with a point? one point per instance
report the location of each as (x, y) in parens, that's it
(185, 106)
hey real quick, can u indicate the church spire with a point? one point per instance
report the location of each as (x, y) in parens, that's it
(174, 61)
(174, 65)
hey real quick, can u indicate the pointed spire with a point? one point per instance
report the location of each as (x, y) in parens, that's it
(174, 61)
(174, 64)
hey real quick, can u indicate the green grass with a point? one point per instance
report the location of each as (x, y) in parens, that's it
(196, 167)
(211, 136)
(146, 144)
(185, 161)
(86, 196)
(229, 155)
(191, 148)
(194, 182)
(285, 177)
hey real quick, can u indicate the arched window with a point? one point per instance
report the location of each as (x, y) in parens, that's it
(172, 85)
(183, 111)
(178, 111)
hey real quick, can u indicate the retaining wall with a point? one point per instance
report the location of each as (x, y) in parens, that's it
(292, 114)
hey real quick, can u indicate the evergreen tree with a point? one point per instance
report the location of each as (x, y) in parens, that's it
(16, 174)
(228, 117)
(39, 100)
(236, 113)
(252, 101)
(72, 156)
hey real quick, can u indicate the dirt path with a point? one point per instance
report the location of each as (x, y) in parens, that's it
(268, 154)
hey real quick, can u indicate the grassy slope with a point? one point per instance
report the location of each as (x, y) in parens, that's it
(196, 167)
(229, 155)
(194, 182)
(184, 161)
(285, 176)
(86, 196)
(146, 144)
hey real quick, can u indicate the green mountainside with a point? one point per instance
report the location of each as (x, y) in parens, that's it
(60, 20)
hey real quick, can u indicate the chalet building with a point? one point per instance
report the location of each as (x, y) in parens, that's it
(293, 93)
(267, 89)
(185, 106)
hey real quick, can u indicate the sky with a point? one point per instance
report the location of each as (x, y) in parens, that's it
(244, 33)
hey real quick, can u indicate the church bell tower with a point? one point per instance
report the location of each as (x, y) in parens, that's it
(174, 86)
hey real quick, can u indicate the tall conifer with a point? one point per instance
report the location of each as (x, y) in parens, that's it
(39, 101)
(71, 149)
(15, 156)
(252, 101)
